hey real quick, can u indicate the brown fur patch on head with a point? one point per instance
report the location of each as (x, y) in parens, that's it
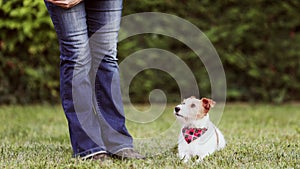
(207, 104)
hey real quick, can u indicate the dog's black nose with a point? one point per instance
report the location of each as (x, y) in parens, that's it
(177, 109)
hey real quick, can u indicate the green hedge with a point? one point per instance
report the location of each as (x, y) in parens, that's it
(257, 41)
(29, 53)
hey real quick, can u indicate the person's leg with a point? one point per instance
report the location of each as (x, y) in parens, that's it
(104, 23)
(76, 91)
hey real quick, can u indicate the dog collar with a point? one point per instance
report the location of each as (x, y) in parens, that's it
(191, 134)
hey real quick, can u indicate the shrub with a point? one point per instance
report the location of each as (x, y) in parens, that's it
(256, 41)
(29, 53)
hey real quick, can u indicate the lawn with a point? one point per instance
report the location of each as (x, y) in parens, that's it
(257, 135)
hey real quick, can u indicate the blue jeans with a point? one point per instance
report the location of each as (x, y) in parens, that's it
(89, 75)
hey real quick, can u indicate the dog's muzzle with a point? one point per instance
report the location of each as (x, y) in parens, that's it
(177, 109)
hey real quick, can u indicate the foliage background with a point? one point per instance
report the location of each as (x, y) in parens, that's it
(257, 41)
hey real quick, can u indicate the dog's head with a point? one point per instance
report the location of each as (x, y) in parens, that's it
(192, 109)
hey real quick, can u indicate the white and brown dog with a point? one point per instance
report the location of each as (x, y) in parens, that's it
(198, 136)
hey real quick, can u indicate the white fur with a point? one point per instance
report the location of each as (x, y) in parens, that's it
(191, 113)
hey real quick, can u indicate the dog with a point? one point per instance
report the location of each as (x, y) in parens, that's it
(198, 135)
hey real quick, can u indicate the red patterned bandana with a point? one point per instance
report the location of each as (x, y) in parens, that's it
(191, 134)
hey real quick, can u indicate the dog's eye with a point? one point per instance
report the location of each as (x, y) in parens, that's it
(193, 105)
(183, 103)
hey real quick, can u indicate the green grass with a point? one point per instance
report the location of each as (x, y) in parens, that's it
(258, 136)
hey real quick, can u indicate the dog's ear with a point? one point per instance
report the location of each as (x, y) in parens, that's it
(207, 104)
